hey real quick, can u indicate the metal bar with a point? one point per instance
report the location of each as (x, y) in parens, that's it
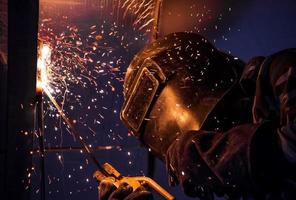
(158, 5)
(40, 128)
(21, 98)
(74, 149)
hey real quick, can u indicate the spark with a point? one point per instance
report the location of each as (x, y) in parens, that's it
(42, 63)
(80, 73)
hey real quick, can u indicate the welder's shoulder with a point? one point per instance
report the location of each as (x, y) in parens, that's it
(270, 65)
(279, 63)
(269, 68)
(250, 73)
(285, 52)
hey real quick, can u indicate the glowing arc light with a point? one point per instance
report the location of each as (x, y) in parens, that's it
(42, 72)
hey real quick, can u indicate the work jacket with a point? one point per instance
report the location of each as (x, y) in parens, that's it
(255, 160)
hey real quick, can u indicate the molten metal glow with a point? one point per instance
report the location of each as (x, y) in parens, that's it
(42, 63)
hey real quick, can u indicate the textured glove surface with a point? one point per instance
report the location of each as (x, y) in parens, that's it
(107, 191)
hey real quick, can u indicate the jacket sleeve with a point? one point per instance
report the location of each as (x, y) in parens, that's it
(276, 98)
(247, 158)
(204, 162)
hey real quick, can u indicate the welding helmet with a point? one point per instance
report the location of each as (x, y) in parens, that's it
(173, 85)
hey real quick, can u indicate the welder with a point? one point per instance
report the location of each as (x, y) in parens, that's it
(222, 127)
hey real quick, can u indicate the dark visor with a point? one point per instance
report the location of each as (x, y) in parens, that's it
(134, 111)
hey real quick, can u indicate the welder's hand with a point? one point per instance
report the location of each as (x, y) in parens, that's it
(107, 191)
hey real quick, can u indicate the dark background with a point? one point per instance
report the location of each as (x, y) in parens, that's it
(242, 28)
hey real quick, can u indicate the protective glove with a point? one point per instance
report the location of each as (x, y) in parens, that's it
(107, 191)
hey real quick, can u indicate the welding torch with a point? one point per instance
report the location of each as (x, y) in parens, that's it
(135, 182)
(106, 171)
